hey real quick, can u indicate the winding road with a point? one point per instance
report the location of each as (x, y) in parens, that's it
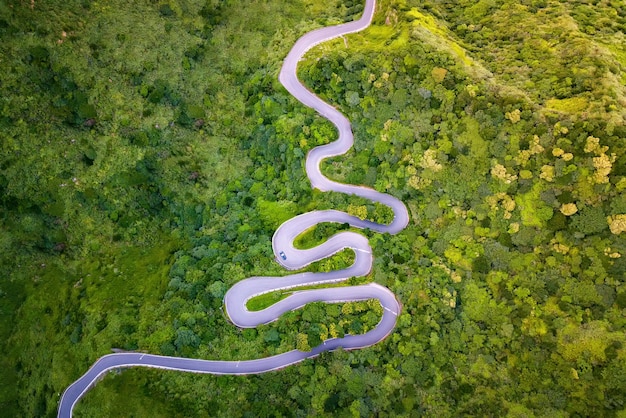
(290, 257)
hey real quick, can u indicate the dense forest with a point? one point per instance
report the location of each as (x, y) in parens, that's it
(148, 153)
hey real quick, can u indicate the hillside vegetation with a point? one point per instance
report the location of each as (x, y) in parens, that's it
(148, 153)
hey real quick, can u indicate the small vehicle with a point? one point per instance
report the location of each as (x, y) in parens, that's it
(282, 255)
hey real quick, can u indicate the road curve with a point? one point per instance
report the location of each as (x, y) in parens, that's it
(290, 257)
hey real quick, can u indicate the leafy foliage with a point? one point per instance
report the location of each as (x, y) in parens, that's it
(148, 154)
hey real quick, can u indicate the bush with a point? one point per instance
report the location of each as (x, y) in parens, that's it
(590, 220)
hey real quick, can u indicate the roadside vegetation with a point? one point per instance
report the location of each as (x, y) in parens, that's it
(148, 153)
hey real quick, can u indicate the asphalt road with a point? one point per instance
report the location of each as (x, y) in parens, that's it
(290, 257)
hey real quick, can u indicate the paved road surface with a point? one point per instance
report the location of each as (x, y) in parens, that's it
(290, 257)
